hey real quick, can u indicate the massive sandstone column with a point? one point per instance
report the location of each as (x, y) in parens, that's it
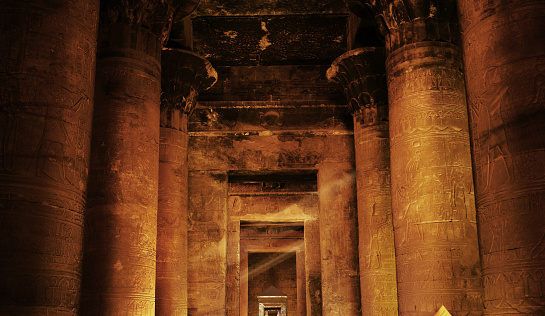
(361, 75)
(121, 227)
(184, 76)
(47, 74)
(432, 187)
(504, 55)
(338, 239)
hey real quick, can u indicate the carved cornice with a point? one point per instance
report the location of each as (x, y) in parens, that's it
(403, 22)
(155, 16)
(361, 75)
(184, 76)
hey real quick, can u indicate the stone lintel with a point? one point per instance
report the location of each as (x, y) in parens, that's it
(360, 73)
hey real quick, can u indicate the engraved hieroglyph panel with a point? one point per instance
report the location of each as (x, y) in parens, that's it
(360, 73)
(339, 239)
(121, 228)
(207, 233)
(432, 187)
(504, 56)
(46, 97)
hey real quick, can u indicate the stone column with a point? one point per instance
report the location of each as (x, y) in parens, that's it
(120, 245)
(47, 74)
(338, 239)
(504, 55)
(361, 75)
(184, 76)
(432, 187)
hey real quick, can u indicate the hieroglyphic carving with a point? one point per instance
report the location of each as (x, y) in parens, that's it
(432, 187)
(503, 58)
(360, 73)
(338, 239)
(46, 96)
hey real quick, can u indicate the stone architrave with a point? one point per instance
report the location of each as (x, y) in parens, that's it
(184, 76)
(47, 75)
(338, 238)
(433, 205)
(121, 222)
(504, 57)
(361, 75)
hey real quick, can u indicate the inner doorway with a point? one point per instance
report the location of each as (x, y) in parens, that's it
(273, 269)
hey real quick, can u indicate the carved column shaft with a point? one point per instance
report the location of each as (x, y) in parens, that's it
(504, 55)
(119, 267)
(432, 187)
(184, 76)
(338, 239)
(47, 73)
(361, 74)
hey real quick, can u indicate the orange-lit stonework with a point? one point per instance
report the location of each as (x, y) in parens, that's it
(338, 238)
(504, 56)
(47, 62)
(331, 155)
(432, 187)
(361, 75)
(120, 245)
(184, 76)
(119, 269)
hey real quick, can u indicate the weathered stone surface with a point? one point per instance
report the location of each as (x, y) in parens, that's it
(361, 74)
(120, 254)
(207, 233)
(313, 267)
(156, 16)
(184, 76)
(504, 55)
(47, 71)
(171, 279)
(272, 269)
(339, 238)
(270, 40)
(298, 84)
(432, 186)
(411, 21)
(267, 7)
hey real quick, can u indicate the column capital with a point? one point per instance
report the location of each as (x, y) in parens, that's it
(155, 16)
(185, 75)
(360, 73)
(403, 22)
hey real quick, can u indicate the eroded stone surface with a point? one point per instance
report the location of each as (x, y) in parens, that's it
(184, 76)
(120, 253)
(47, 77)
(361, 75)
(504, 55)
(432, 186)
